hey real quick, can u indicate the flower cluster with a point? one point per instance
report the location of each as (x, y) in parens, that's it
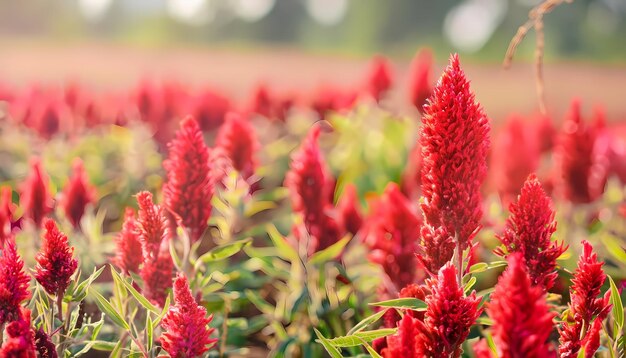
(14, 283)
(420, 85)
(128, 245)
(238, 140)
(380, 78)
(35, 197)
(77, 194)
(55, 261)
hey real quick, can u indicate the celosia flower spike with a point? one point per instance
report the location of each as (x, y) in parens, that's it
(6, 214)
(43, 344)
(14, 283)
(420, 82)
(55, 264)
(185, 326)
(349, 211)
(238, 139)
(35, 197)
(156, 274)
(77, 194)
(404, 342)
(19, 338)
(380, 78)
(128, 246)
(528, 231)
(522, 321)
(152, 224)
(188, 190)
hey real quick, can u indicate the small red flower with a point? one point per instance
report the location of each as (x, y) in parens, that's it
(7, 208)
(380, 78)
(152, 224)
(35, 197)
(209, 108)
(404, 342)
(14, 283)
(128, 245)
(19, 341)
(185, 325)
(77, 194)
(521, 315)
(43, 344)
(349, 211)
(420, 78)
(238, 139)
(55, 264)
(156, 274)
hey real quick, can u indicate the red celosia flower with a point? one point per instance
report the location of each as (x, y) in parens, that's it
(545, 132)
(393, 227)
(481, 349)
(332, 99)
(420, 82)
(19, 341)
(582, 170)
(156, 274)
(349, 210)
(528, 231)
(270, 105)
(188, 190)
(221, 166)
(6, 214)
(238, 139)
(454, 140)
(309, 189)
(436, 247)
(55, 264)
(35, 197)
(152, 224)
(522, 321)
(14, 283)
(404, 342)
(128, 245)
(209, 108)
(43, 344)
(410, 291)
(380, 78)
(449, 316)
(186, 332)
(77, 194)
(586, 309)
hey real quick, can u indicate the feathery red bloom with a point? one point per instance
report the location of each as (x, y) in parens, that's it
(55, 264)
(436, 247)
(185, 325)
(77, 194)
(522, 321)
(188, 190)
(528, 231)
(392, 232)
(238, 139)
(14, 283)
(19, 341)
(380, 78)
(6, 214)
(404, 342)
(454, 140)
(128, 245)
(152, 224)
(43, 344)
(449, 316)
(332, 99)
(420, 78)
(209, 108)
(412, 290)
(349, 211)
(585, 308)
(582, 169)
(156, 274)
(545, 132)
(308, 183)
(35, 197)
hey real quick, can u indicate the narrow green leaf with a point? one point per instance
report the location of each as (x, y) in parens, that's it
(259, 302)
(80, 291)
(371, 350)
(484, 321)
(285, 251)
(479, 267)
(614, 247)
(330, 252)
(258, 206)
(222, 252)
(108, 309)
(332, 350)
(149, 332)
(469, 285)
(177, 260)
(409, 302)
(360, 337)
(138, 296)
(618, 307)
(367, 321)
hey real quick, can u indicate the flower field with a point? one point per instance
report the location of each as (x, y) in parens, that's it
(167, 220)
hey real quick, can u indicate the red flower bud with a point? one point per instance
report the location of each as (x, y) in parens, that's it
(238, 139)
(55, 262)
(128, 245)
(420, 78)
(35, 197)
(77, 194)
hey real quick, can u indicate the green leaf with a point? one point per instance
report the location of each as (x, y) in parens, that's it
(408, 302)
(469, 285)
(371, 350)
(330, 252)
(108, 309)
(618, 307)
(367, 321)
(80, 291)
(259, 302)
(332, 350)
(484, 321)
(258, 206)
(285, 251)
(177, 260)
(479, 267)
(614, 247)
(149, 332)
(360, 337)
(222, 252)
(138, 296)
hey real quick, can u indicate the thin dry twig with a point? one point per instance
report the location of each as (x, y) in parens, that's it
(535, 20)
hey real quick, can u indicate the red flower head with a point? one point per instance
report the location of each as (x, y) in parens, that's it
(449, 316)
(380, 78)
(156, 274)
(481, 349)
(528, 231)
(420, 78)
(128, 245)
(19, 341)
(77, 194)
(209, 108)
(392, 230)
(455, 141)
(329, 98)
(7, 208)
(238, 139)
(514, 157)
(586, 309)
(545, 132)
(43, 344)
(582, 170)
(349, 211)
(188, 190)
(308, 183)
(55, 264)
(404, 342)
(14, 283)
(152, 224)
(522, 321)
(35, 197)
(185, 326)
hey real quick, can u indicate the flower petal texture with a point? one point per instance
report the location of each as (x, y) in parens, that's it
(55, 261)
(77, 194)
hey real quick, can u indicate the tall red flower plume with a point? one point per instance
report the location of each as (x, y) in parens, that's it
(393, 227)
(14, 283)
(420, 78)
(308, 183)
(55, 262)
(349, 211)
(152, 224)
(77, 194)
(19, 341)
(35, 197)
(528, 231)
(586, 312)
(380, 78)
(188, 190)
(329, 98)
(238, 139)
(404, 342)
(7, 208)
(43, 344)
(156, 274)
(128, 245)
(522, 321)
(449, 316)
(185, 325)
(582, 170)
